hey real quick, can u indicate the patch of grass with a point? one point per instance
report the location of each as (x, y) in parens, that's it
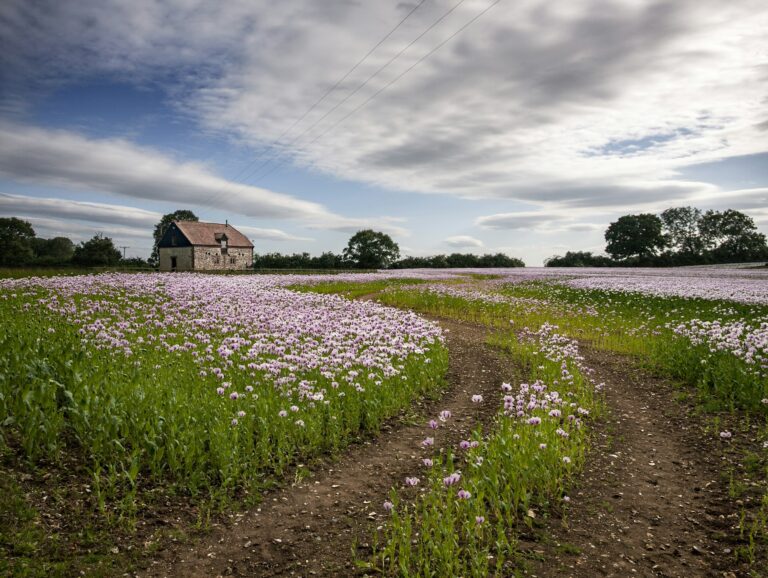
(607, 506)
(29, 547)
(753, 462)
(566, 548)
(21, 272)
(20, 536)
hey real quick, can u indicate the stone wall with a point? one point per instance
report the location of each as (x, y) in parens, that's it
(211, 258)
(183, 258)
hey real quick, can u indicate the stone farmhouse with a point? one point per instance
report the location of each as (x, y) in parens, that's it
(195, 246)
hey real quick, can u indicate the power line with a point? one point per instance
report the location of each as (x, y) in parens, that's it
(350, 71)
(366, 81)
(314, 105)
(390, 83)
(407, 70)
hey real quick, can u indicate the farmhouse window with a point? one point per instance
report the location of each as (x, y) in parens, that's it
(232, 260)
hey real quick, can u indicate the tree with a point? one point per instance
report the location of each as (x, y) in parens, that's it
(499, 260)
(458, 260)
(732, 236)
(681, 225)
(578, 259)
(134, 263)
(99, 251)
(56, 251)
(631, 235)
(16, 238)
(327, 260)
(369, 249)
(162, 227)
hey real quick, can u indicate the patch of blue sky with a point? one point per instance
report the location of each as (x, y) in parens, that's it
(628, 147)
(738, 172)
(142, 114)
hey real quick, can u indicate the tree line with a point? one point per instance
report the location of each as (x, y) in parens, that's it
(459, 261)
(329, 260)
(370, 249)
(20, 246)
(678, 236)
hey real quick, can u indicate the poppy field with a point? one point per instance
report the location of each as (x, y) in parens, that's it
(209, 389)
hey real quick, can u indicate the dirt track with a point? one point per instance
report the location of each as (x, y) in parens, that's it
(651, 500)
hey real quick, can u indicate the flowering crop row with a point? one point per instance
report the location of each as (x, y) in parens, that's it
(720, 346)
(713, 283)
(741, 290)
(726, 360)
(742, 340)
(476, 497)
(208, 382)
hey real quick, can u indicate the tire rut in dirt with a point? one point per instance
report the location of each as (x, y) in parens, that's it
(650, 501)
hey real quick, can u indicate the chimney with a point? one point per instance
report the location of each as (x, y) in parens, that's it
(226, 223)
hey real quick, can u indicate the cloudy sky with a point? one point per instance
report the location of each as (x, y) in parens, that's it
(522, 126)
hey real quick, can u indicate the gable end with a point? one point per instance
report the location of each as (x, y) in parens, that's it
(174, 237)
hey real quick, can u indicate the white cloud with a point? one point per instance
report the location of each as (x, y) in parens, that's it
(743, 199)
(610, 98)
(542, 221)
(79, 210)
(138, 239)
(580, 227)
(269, 234)
(66, 159)
(514, 221)
(387, 225)
(79, 221)
(463, 241)
(69, 160)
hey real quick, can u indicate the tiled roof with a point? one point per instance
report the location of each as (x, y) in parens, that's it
(210, 234)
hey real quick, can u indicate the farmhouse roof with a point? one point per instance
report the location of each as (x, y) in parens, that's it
(211, 234)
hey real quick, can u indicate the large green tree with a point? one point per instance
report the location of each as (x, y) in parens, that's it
(16, 239)
(369, 249)
(162, 226)
(578, 259)
(732, 236)
(56, 251)
(97, 252)
(635, 235)
(681, 226)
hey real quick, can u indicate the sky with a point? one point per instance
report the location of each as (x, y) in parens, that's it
(515, 126)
